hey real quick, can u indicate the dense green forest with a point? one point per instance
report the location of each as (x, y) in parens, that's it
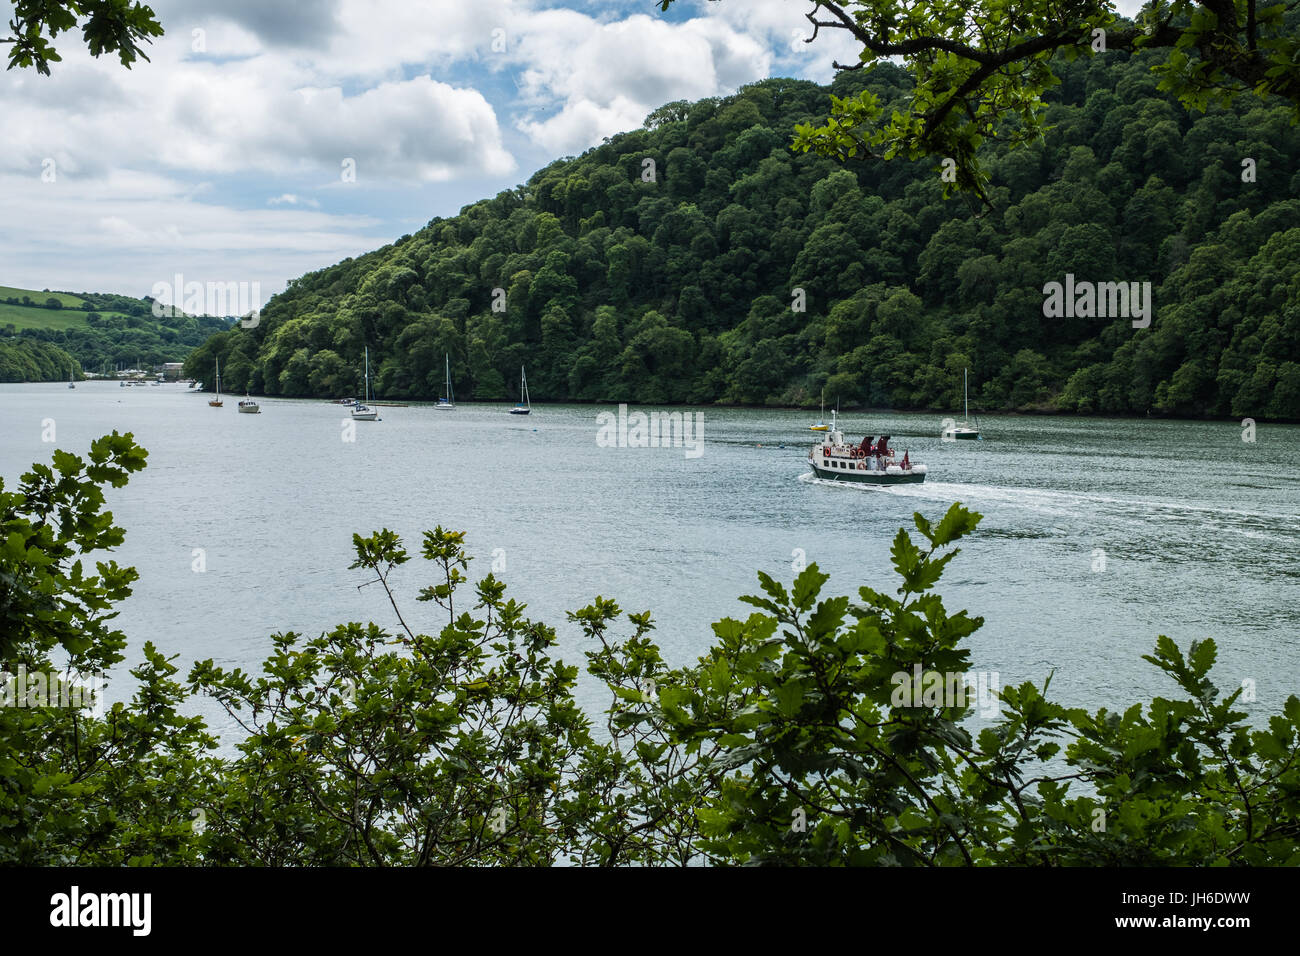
(27, 360)
(93, 330)
(665, 264)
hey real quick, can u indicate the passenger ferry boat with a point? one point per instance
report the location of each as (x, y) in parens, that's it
(872, 462)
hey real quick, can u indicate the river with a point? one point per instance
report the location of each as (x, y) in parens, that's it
(1098, 534)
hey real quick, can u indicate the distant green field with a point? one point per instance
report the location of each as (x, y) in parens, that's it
(23, 317)
(69, 301)
(26, 317)
(37, 316)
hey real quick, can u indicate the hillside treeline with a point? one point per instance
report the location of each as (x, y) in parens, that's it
(666, 266)
(28, 360)
(128, 339)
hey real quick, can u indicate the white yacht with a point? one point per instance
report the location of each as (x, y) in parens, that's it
(524, 405)
(964, 431)
(362, 412)
(448, 401)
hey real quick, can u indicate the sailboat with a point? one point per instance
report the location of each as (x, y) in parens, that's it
(362, 412)
(964, 431)
(820, 425)
(524, 405)
(449, 400)
(70, 382)
(216, 402)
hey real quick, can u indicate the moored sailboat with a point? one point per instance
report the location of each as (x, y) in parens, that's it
(362, 412)
(524, 405)
(447, 401)
(963, 432)
(820, 425)
(216, 402)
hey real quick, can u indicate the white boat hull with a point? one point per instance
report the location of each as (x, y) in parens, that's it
(858, 471)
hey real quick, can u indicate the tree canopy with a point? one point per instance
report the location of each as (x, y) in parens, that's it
(28, 360)
(981, 68)
(107, 26)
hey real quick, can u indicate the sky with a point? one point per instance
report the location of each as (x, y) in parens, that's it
(269, 138)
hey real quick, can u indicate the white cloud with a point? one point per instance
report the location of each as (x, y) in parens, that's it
(290, 199)
(384, 82)
(581, 123)
(224, 151)
(378, 36)
(782, 25)
(272, 111)
(413, 129)
(131, 230)
(608, 76)
(416, 130)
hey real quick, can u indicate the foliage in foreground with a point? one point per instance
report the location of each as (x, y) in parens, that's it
(107, 26)
(785, 743)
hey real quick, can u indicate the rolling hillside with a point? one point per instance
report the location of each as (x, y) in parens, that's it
(97, 331)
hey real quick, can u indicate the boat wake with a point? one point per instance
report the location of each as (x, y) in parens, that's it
(1089, 507)
(1074, 499)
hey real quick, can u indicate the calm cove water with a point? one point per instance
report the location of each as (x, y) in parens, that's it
(1200, 530)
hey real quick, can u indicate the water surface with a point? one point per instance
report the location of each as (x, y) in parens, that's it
(1200, 531)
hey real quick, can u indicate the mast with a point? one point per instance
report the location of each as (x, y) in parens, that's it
(367, 374)
(965, 393)
(217, 363)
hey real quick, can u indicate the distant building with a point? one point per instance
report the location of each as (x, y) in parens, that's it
(171, 371)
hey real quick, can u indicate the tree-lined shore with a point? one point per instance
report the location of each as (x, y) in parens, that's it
(700, 259)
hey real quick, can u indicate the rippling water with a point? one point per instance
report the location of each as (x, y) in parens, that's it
(1200, 530)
